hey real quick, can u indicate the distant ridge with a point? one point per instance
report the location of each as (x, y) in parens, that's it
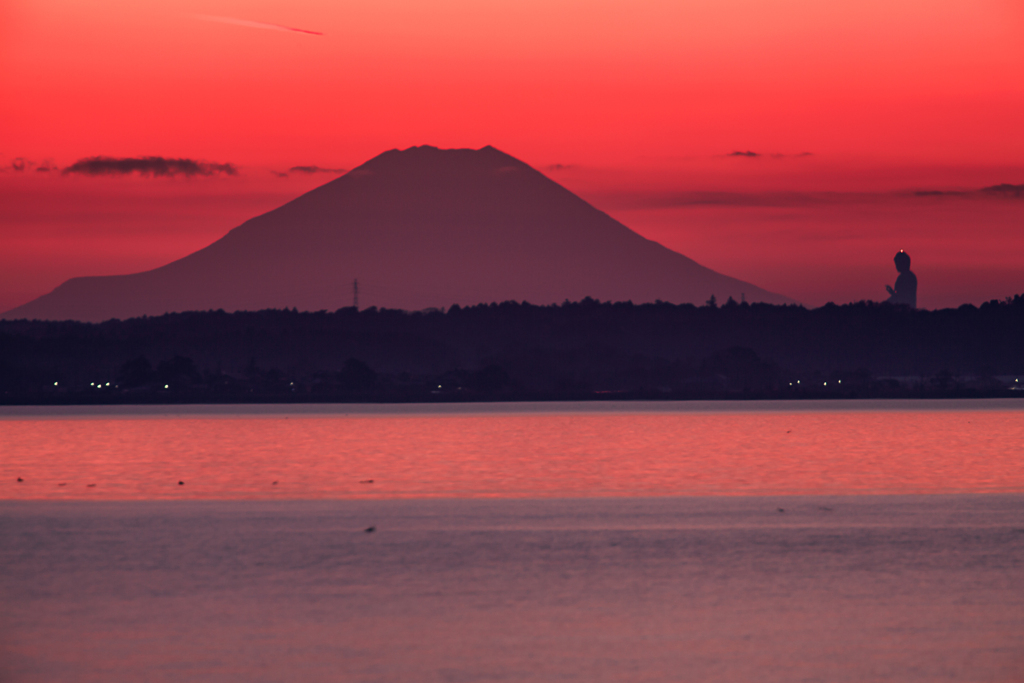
(419, 228)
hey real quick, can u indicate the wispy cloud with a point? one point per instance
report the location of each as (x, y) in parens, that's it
(666, 200)
(939, 193)
(1005, 190)
(21, 164)
(776, 155)
(1002, 191)
(559, 167)
(314, 169)
(681, 199)
(253, 24)
(148, 166)
(308, 170)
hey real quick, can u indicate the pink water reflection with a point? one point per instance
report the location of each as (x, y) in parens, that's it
(513, 454)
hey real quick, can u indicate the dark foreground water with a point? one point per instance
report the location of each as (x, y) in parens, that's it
(840, 588)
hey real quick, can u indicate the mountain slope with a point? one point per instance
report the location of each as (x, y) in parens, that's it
(418, 228)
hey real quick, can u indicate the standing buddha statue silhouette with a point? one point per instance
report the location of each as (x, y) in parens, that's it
(905, 291)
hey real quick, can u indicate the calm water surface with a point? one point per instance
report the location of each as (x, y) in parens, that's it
(661, 542)
(510, 450)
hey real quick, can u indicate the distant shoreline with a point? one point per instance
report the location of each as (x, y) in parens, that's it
(253, 409)
(84, 400)
(583, 351)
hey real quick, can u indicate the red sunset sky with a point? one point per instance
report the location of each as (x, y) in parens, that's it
(851, 107)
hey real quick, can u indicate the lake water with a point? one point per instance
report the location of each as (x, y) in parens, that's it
(511, 450)
(852, 541)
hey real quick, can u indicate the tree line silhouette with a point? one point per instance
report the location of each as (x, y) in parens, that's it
(517, 351)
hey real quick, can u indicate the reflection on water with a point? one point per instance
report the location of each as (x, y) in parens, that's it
(917, 589)
(482, 565)
(512, 451)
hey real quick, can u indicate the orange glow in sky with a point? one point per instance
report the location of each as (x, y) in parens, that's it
(633, 100)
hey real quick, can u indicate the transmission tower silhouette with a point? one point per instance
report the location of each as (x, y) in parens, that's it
(355, 294)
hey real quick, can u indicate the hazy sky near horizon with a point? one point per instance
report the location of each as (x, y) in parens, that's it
(848, 107)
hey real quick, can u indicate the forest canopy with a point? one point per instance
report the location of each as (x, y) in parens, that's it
(518, 351)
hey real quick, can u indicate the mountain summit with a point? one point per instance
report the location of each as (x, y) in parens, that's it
(418, 228)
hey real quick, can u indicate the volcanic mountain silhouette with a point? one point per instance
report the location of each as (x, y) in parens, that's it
(421, 227)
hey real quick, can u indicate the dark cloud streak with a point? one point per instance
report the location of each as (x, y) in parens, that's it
(314, 169)
(148, 166)
(665, 200)
(21, 164)
(1002, 191)
(1005, 190)
(777, 155)
(308, 170)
